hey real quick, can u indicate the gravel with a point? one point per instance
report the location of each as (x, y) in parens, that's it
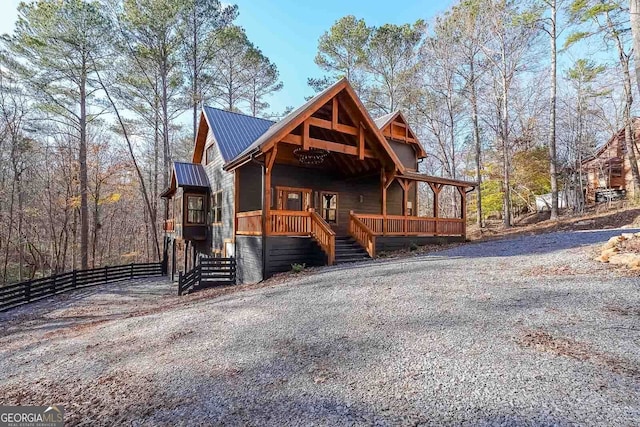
(525, 331)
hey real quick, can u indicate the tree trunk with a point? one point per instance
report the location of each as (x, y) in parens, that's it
(506, 186)
(476, 141)
(84, 207)
(634, 10)
(628, 125)
(553, 161)
(629, 129)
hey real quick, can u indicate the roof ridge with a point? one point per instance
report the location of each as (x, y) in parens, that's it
(238, 114)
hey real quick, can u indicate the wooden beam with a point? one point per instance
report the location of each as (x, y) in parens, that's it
(266, 203)
(405, 201)
(334, 113)
(326, 124)
(389, 179)
(327, 145)
(383, 179)
(305, 134)
(361, 142)
(463, 210)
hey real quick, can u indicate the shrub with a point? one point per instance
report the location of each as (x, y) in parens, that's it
(413, 246)
(297, 268)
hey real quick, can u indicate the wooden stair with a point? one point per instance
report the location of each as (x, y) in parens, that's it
(348, 250)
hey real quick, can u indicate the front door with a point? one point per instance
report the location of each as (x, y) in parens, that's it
(293, 200)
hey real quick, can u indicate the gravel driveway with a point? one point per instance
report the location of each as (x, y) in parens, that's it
(526, 331)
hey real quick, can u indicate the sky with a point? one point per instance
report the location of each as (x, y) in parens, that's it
(287, 31)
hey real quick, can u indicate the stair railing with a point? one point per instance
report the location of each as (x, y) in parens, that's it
(362, 234)
(323, 234)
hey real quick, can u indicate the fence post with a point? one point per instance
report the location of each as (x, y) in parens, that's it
(74, 278)
(131, 266)
(53, 283)
(179, 282)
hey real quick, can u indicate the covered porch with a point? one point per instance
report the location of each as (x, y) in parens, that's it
(328, 172)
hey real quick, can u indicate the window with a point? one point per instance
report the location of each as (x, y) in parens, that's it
(329, 207)
(195, 209)
(216, 207)
(210, 154)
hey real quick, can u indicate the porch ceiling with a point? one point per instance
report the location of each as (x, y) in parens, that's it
(335, 163)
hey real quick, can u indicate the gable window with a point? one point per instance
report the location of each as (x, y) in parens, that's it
(216, 207)
(210, 154)
(195, 209)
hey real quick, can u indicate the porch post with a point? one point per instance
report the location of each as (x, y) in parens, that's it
(383, 179)
(405, 200)
(463, 210)
(386, 182)
(266, 203)
(436, 209)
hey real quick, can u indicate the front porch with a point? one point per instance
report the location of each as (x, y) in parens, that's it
(364, 228)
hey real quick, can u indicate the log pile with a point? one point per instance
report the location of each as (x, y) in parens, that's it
(622, 250)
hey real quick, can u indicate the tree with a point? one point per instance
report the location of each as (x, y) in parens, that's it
(392, 63)
(263, 80)
(582, 75)
(512, 32)
(552, 30)
(52, 45)
(341, 53)
(610, 19)
(634, 14)
(149, 35)
(201, 21)
(467, 18)
(230, 72)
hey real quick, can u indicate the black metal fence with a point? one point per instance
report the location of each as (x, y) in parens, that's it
(209, 272)
(33, 290)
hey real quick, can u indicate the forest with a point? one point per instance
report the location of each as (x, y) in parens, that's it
(97, 98)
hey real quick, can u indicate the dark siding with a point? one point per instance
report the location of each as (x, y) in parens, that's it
(394, 243)
(405, 153)
(249, 259)
(349, 191)
(220, 180)
(395, 198)
(282, 251)
(250, 191)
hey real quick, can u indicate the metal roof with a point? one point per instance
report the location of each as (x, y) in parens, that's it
(190, 175)
(265, 136)
(381, 122)
(234, 132)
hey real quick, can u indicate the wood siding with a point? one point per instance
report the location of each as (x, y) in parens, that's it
(405, 153)
(348, 190)
(396, 243)
(282, 251)
(249, 259)
(250, 187)
(220, 180)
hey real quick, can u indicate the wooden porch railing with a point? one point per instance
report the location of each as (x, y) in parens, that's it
(323, 234)
(363, 234)
(289, 223)
(249, 223)
(398, 225)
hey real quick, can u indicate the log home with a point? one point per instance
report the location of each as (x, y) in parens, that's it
(608, 171)
(324, 185)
